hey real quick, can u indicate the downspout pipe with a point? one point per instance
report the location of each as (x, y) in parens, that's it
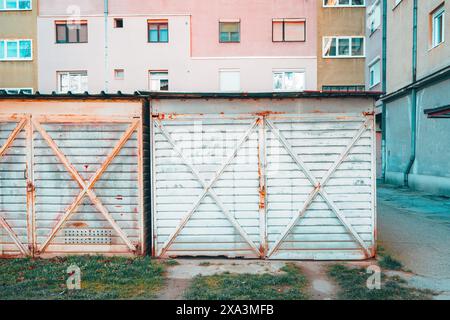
(384, 89)
(106, 57)
(412, 158)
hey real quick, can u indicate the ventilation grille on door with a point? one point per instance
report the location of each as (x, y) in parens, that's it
(87, 236)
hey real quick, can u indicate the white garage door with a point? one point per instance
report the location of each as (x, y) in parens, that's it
(280, 187)
(70, 185)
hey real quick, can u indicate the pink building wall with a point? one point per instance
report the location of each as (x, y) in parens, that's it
(256, 24)
(193, 56)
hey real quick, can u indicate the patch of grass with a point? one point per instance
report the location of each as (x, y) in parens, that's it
(289, 285)
(386, 261)
(171, 262)
(204, 264)
(353, 286)
(101, 278)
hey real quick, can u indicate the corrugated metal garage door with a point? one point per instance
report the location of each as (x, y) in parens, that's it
(14, 233)
(206, 187)
(320, 187)
(84, 177)
(268, 186)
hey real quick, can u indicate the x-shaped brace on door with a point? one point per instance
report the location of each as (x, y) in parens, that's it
(318, 188)
(207, 189)
(86, 186)
(13, 236)
(3, 222)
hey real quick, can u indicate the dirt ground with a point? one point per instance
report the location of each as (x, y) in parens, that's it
(180, 276)
(413, 227)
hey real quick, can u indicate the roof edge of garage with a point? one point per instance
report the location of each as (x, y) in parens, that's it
(194, 95)
(261, 95)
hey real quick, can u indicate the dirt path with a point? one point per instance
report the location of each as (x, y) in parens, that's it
(174, 289)
(321, 287)
(180, 276)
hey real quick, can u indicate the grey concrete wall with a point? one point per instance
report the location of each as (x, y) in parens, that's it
(398, 136)
(431, 170)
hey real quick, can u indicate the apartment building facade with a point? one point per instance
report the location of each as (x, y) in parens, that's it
(374, 52)
(185, 46)
(18, 54)
(341, 45)
(418, 95)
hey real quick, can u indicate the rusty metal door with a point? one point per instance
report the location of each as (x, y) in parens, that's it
(266, 186)
(77, 185)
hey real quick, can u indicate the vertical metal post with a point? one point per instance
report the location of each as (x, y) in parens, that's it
(262, 187)
(31, 219)
(413, 99)
(140, 137)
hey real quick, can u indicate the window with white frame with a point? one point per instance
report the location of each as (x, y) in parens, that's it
(229, 31)
(374, 17)
(437, 26)
(375, 73)
(73, 81)
(288, 80)
(11, 50)
(17, 90)
(343, 47)
(159, 81)
(344, 3)
(6, 5)
(230, 80)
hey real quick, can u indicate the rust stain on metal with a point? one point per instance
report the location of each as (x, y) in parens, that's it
(343, 118)
(159, 116)
(262, 198)
(366, 114)
(267, 113)
(78, 225)
(119, 197)
(164, 116)
(262, 251)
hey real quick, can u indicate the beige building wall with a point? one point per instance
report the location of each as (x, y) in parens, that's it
(431, 59)
(339, 22)
(19, 25)
(399, 44)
